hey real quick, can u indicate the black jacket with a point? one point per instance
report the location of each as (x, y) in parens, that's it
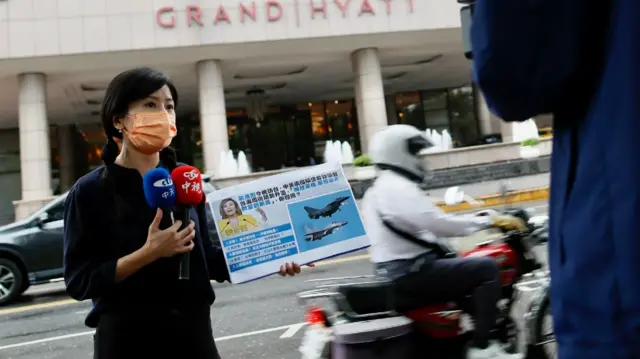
(106, 217)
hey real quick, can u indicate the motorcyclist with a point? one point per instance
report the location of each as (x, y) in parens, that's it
(407, 232)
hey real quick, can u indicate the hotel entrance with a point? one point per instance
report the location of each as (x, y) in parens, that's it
(289, 136)
(296, 135)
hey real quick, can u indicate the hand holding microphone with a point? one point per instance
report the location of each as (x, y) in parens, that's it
(160, 194)
(164, 243)
(188, 186)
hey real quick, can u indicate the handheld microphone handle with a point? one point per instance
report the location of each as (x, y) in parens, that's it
(167, 218)
(185, 258)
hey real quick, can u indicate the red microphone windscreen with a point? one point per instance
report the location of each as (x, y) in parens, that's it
(188, 183)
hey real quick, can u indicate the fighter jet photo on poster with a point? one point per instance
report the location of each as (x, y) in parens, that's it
(316, 235)
(328, 210)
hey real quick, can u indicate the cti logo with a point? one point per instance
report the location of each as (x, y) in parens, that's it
(165, 182)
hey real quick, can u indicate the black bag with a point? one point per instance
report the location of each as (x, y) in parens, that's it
(439, 248)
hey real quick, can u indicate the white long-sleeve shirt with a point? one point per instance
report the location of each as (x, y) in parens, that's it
(402, 203)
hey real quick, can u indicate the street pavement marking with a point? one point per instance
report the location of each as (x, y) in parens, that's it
(288, 330)
(292, 330)
(58, 303)
(46, 340)
(343, 259)
(25, 308)
(256, 332)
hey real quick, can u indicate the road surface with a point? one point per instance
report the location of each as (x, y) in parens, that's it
(256, 320)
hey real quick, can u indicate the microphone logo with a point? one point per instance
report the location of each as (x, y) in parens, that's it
(191, 186)
(191, 175)
(165, 182)
(168, 194)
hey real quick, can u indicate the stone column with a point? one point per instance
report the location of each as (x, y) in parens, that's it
(213, 114)
(35, 151)
(67, 156)
(506, 130)
(369, 94)
(490, 123)
(544, 120)
(484, 115)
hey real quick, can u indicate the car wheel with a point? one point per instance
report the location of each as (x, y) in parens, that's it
(11, 281)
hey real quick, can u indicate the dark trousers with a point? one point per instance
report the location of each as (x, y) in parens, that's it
(440, 280)
(164, 335)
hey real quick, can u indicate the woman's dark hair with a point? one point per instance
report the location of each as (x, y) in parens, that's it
(223, 202)
(130, 86)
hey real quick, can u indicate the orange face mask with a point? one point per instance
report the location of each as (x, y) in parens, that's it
(151, 131)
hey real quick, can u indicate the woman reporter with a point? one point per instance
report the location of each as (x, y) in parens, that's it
(114, 250)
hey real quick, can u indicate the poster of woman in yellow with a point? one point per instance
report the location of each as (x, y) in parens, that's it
(234, 221)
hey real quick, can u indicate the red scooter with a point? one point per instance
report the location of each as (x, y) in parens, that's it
(368, 319)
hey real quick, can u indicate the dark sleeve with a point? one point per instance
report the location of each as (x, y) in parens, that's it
(86, 275)
(212, 248)
(526, 54)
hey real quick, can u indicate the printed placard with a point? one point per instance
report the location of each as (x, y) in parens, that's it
(301, 216)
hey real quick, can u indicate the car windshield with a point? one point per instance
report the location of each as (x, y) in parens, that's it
(53, 209)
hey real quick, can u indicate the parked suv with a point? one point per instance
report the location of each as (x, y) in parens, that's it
(31, 250)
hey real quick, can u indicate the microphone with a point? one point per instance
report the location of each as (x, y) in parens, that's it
(160, 192)
(188, 184)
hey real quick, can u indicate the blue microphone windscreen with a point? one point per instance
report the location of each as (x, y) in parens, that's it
(159, 189)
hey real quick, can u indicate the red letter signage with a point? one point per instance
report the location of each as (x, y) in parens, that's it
(343, 6)
(221, 15)
(272, 10)
(194, 12)
(273, 5)
(244, 11)
(163, 23)
(366, 7)
(321, 9)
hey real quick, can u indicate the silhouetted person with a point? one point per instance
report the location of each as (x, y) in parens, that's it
(578, 59)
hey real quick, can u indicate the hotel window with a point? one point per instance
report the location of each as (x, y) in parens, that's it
(436, 113)
(93, 135)
(448, 109)
(464, 123)
(409, 109)
(319, 126)
(340, 121)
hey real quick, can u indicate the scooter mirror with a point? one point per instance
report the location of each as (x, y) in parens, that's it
(453, 195)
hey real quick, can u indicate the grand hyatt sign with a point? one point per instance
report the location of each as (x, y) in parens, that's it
(273, 11)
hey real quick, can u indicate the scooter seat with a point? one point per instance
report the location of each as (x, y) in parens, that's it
(366, 298)
(380, 298)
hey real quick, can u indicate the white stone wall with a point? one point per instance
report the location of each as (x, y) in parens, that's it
(460, 157)
(30, 28)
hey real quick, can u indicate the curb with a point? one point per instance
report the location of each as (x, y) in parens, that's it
(527, 195)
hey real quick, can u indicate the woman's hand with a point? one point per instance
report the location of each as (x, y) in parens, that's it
(169, 242)
(262, 214)
(291, 269)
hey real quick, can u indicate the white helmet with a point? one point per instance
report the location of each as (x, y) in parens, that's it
(397, 147)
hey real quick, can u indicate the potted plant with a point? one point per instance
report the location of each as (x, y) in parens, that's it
(363, 168)
(529, 148)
